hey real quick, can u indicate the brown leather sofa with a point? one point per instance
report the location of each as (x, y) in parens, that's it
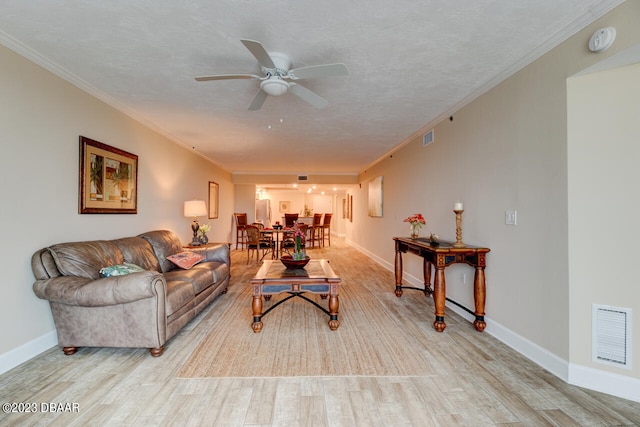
(142, 309)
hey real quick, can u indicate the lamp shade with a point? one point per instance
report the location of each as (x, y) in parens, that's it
(195, 208)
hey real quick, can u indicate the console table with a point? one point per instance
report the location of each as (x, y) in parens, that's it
(441, 255)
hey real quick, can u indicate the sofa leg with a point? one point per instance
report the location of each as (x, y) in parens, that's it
(156, 351)
(69, 350)
(225, 290)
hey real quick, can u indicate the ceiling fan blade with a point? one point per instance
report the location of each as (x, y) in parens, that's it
(305, 94)
(259, 99)
(228, 77)
(259, 52)
(327, 70)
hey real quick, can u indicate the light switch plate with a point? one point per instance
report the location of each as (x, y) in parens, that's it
(511, 217)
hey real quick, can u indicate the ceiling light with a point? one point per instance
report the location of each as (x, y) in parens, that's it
(274, 86)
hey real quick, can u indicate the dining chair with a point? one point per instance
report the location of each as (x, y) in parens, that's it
(263, 236)
(316, 229)
(326, 228)
(255, 243)
(241, 224)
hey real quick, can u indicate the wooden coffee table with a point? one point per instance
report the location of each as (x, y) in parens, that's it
(273, 278)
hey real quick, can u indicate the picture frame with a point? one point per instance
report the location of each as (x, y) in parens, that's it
(108, 179)
(350, 207)
(285, 206)
(213, 199)
(375, 197)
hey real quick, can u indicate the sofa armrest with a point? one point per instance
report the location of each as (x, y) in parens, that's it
(218, 253)
(80, 291)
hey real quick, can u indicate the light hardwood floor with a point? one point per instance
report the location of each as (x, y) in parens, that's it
(496, 386)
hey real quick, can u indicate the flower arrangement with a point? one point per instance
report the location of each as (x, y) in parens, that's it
(416, 221)
(204, 229)
(298, 236)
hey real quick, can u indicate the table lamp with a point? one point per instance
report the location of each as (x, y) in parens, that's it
(195, 208)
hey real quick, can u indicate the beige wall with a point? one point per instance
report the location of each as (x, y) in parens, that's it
(508, 150)
(41, 118)
(604, 203)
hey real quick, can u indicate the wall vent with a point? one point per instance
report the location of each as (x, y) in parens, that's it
(427, 138)
(611, 335)
(303, 178)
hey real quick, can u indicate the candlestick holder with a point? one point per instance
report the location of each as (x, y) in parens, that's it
(458, 243)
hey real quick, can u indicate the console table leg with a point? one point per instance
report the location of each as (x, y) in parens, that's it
(398, 271)
(426, 273)
(439, 298)
(479, 292)
(257, 313)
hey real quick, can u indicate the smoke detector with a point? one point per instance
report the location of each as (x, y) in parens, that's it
(602, 39)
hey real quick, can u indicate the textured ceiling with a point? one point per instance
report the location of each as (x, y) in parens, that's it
(410, 64)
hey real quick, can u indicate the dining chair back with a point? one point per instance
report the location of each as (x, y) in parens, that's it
(256, 243)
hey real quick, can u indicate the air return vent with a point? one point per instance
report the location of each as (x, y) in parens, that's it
(303, 178)
(427, 138)
(611, 340)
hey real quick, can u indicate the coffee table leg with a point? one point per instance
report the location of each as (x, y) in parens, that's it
(333, 308)
(257, 313)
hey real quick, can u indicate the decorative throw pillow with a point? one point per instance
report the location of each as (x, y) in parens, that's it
(120, 270)
(186, 259)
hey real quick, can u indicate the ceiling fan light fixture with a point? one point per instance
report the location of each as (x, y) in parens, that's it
(274, 86)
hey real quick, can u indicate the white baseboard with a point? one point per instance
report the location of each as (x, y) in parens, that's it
(605, 382)
(19, 355)
(581, 376)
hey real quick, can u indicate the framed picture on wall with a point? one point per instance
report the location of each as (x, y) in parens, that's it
(350, 207)
(375, 197)
(285, 206)
(213, 199)
(108, 179)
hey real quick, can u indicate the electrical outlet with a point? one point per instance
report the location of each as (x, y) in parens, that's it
(511, 217)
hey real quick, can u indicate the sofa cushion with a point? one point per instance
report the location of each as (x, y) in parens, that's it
(220, 270)
(138, 251)
(85, 259)
(199, 279)
(164, 243)
(179, 294)
(120, 270)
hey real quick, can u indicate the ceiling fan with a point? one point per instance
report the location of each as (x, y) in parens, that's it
(278, 79)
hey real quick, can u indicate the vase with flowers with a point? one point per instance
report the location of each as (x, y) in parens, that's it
(203, 230)
(298, 258)
(299, 252)
(416, 221)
